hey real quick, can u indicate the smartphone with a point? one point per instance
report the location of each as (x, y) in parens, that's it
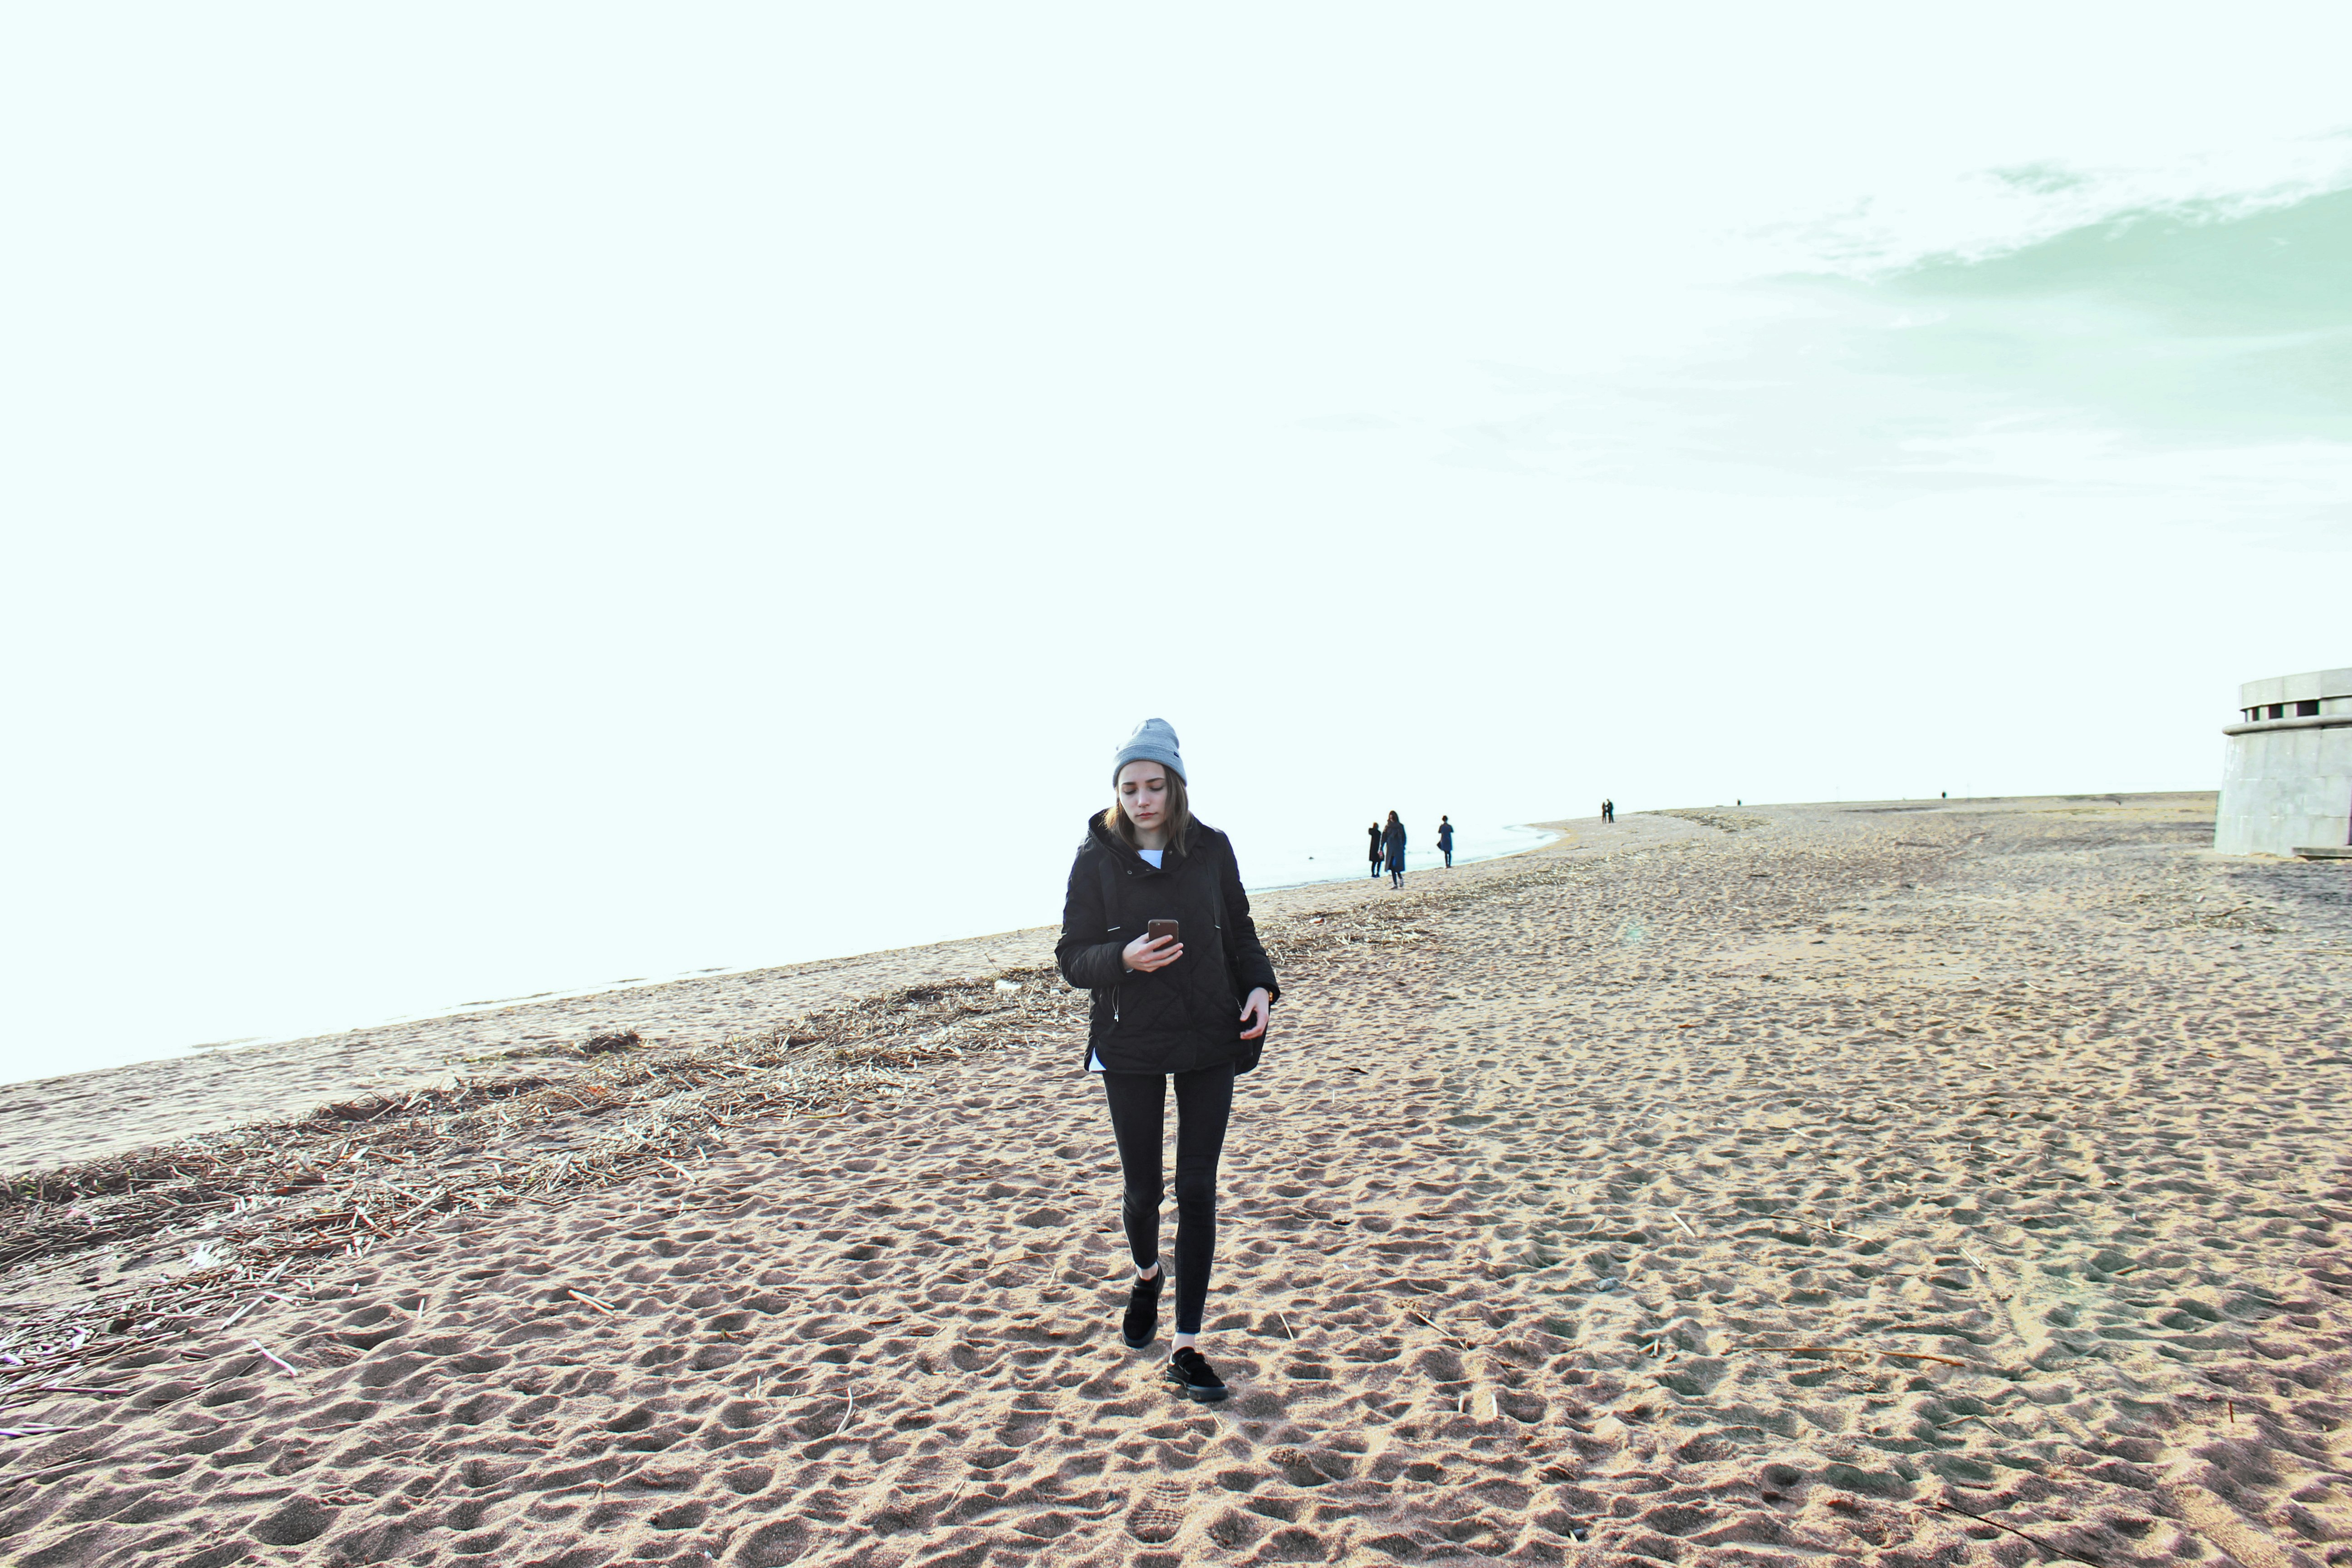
(1154, 930)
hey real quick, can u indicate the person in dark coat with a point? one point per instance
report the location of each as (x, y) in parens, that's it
(1445, 838)
(1190, 1007)
(1380, 849)
(1392, 841)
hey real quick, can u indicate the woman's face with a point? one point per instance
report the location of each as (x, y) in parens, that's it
(1143, 795)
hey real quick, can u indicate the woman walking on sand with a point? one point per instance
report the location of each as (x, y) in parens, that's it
(1157, 926)
(1393, 840)
(1379, 850)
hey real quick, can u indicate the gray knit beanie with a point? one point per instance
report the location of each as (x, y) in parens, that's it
(1152, 742)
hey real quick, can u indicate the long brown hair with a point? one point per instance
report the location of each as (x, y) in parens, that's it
(1180, 815)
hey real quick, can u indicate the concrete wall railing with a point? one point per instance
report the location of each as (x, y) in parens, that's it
(2316, 695)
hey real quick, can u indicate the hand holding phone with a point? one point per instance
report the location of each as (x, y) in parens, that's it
(1257, 1012)
(1156, 948)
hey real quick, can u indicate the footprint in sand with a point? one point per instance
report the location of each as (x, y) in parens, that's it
(1161, 1514)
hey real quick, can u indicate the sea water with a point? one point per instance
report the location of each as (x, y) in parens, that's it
(410, 980)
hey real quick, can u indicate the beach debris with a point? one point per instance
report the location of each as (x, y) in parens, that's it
(1849, 1350)
(616, 1040)
(303, 1186)
(263, 1349)
(1811, 1225)
(206, 1254)
(256, 1204)
(577, 1294)
(1684, 1223)
(2035, 1542)
(1441, 1332)
(1008, 986)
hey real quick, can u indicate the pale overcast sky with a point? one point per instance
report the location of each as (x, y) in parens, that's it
(510, 498)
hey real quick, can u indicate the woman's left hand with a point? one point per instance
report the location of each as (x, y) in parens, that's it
(1257, 1008)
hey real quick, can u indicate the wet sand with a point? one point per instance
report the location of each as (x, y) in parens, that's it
(1768, 1185)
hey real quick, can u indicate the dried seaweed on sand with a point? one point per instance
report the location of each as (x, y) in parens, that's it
(102, 1260)
(199, 1231)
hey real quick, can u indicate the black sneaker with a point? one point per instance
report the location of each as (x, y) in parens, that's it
(1141, 1324)
(1189, 1374)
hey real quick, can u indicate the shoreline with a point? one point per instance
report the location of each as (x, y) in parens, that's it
(102, 1112)
(445, 1015)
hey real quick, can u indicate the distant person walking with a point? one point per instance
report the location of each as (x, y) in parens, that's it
(1445, 839)
(1380, 851)
(1608, 811)
(1188, 1002)
(1392, 841)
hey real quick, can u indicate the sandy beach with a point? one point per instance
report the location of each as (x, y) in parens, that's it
(1898, 1183)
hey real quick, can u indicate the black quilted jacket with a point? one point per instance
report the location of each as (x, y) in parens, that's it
(1187, 1015)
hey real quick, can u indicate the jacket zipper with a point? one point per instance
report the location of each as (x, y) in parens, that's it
(1114, 997)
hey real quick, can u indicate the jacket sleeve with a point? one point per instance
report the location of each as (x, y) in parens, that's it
(1086, 964)
(1252, 968)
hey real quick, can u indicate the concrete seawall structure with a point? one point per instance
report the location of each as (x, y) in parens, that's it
(2286, 780)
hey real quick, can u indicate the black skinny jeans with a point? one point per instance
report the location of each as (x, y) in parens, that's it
(1204, 1102)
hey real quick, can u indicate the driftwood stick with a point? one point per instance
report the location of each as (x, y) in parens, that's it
(1441, 1334)
(256, 1344)
(2033, 1541)
(1847, 1349)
